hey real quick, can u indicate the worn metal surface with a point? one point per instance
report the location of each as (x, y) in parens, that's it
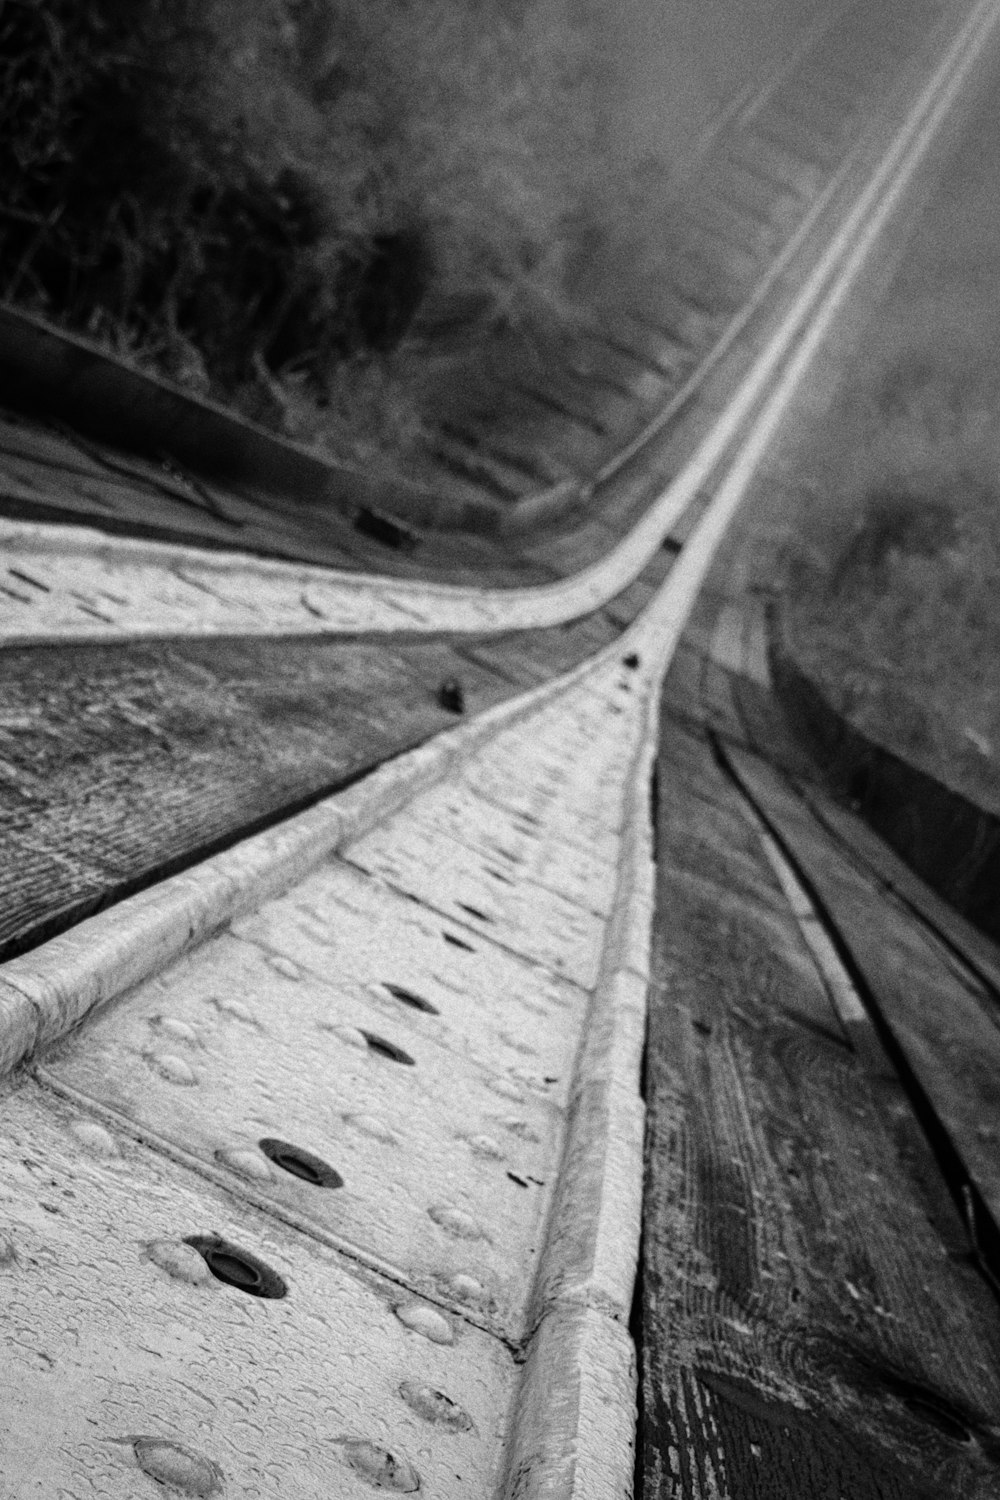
(447, 1146)
(421, 1046)
(345, 1067)
(129, 1370)
(119, 762)
(303, 1028)
(473, 856)
(937, 1010)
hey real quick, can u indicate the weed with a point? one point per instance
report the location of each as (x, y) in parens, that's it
(894, 606)
(257, 197)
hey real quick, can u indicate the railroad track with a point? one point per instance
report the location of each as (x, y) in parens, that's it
(323, 1140)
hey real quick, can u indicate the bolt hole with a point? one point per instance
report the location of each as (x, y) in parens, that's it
(457, 942)
(407, 997)
(451, 697)
(299, 1163)
(237, 1268)
(474, 911)
(387, 1049)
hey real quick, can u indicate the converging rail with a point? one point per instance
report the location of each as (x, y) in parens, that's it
(321, 1140)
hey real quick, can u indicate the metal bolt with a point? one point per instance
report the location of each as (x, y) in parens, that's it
(284, 966)
(372, 1126)
(485, 1145)
(435, 1406)
(173, 1069)
(180, 1031)
(465, 1288)
(349, 1035)
(170, 1463)
(246, 1161)
(383, 1470)
(456, 1222)
(234, 1008)
(180, 1261)
(420, 1318)
(94, 1137)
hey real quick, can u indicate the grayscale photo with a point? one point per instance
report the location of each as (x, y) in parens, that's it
(500, 749)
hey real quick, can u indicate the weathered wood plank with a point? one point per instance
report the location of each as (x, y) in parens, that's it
(812, 1325)
(939, 1013)
(889, 869)
(119, 762)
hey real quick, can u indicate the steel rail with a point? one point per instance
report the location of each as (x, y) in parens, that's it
(572, 1401)
(181, 590)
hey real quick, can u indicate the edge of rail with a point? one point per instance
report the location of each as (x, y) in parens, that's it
(575, 1412)
(573, 1433)
(51, 989)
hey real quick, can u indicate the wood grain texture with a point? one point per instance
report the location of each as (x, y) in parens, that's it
(120, 763)
(812, 1325)
(868, 851)
(937, 1011)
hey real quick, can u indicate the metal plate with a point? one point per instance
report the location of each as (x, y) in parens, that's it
(261, 1034)
(125, 1379)
(511, 849)
(463, 882)
(570, 770)
(425, 1063)
(522, 848)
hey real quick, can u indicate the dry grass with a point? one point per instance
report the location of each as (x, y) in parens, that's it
(255, 196)
(895, 586)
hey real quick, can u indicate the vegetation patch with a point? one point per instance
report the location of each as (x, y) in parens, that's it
(894, 585)
(269, 200)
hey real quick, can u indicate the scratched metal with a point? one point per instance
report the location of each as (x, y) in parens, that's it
(574, 768)
(460, 882)
(240, 1042)
(427, 1063)
(129, 1371)
(512, 850)
(567, 773)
